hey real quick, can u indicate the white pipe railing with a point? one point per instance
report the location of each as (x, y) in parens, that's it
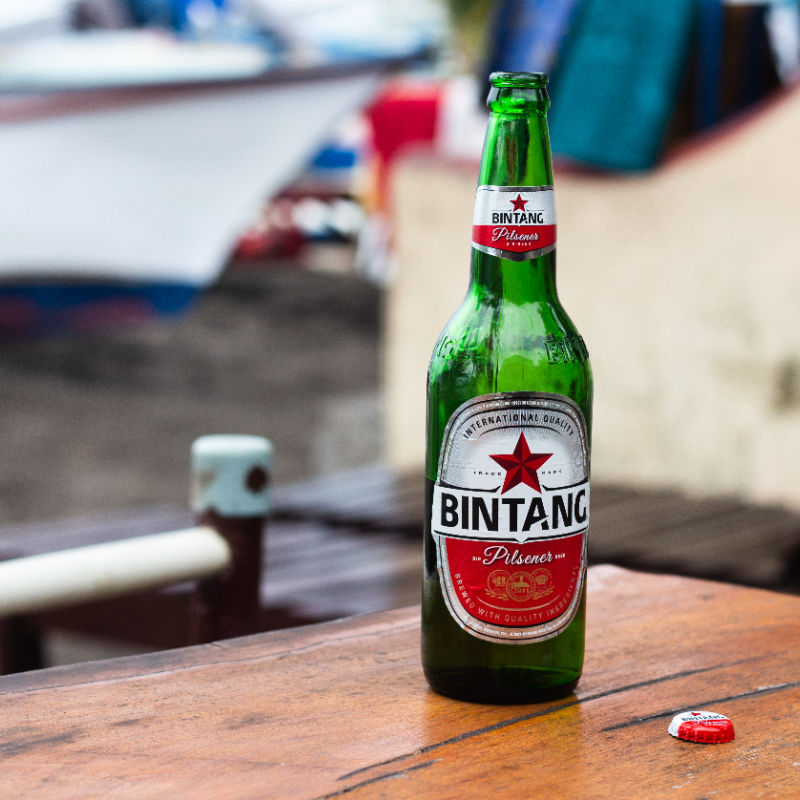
(97, 572)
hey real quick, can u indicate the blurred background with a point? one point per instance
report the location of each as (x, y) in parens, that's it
(254, 216)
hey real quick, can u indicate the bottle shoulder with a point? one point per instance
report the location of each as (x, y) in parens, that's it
(491, 350)
(485, 334)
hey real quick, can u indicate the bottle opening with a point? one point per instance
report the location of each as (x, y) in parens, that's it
(518, 93)
(518, 80)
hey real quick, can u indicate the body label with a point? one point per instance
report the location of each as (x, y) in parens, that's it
(515, 222)
(510, 515)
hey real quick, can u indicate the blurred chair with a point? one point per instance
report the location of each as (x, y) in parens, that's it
(214, 567)
(335, 546)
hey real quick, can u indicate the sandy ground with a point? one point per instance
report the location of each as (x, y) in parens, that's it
(105, 421)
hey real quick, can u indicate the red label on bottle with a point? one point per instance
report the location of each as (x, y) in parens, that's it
(516, 222)
(510, 515)
(520, 586)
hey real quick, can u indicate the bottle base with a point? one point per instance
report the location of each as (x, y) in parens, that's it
(508, 686)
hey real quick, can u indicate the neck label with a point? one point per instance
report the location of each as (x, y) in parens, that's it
(514, 222)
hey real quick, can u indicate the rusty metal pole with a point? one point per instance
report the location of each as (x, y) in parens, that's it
(230, 493)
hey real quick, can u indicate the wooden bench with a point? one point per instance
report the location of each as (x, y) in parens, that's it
(342, 710)
(649, 529)
(351, 543)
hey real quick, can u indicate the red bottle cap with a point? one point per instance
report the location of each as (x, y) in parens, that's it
(701, 726)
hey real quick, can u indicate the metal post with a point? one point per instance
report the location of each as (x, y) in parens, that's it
(230, 493)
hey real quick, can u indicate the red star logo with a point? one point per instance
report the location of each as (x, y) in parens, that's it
(519, 204)
(521, 466)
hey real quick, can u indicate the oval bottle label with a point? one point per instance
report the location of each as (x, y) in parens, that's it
(510, 515)
(515, 222)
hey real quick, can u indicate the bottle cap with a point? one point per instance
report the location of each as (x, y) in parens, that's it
(701, 726)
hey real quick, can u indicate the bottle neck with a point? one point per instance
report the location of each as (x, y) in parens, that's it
(516, 154)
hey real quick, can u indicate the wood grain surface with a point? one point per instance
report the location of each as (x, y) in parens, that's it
(341, 709)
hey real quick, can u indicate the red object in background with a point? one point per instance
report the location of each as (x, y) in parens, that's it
(260, 243)
(275, 235)
(405, 113)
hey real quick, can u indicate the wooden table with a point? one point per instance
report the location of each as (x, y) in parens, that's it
(341, 709)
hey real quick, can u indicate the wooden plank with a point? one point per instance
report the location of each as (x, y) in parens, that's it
(154, 620)
(342, 709)
(323, 572)
(374, 497)
(703, 537)
(651, 529)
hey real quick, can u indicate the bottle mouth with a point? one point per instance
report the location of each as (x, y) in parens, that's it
(518, 80)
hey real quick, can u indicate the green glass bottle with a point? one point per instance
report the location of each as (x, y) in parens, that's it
(508, 433)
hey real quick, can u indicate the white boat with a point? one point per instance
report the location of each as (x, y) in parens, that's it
(130, 184)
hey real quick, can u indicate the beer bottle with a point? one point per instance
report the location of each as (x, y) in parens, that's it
(508, 432)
